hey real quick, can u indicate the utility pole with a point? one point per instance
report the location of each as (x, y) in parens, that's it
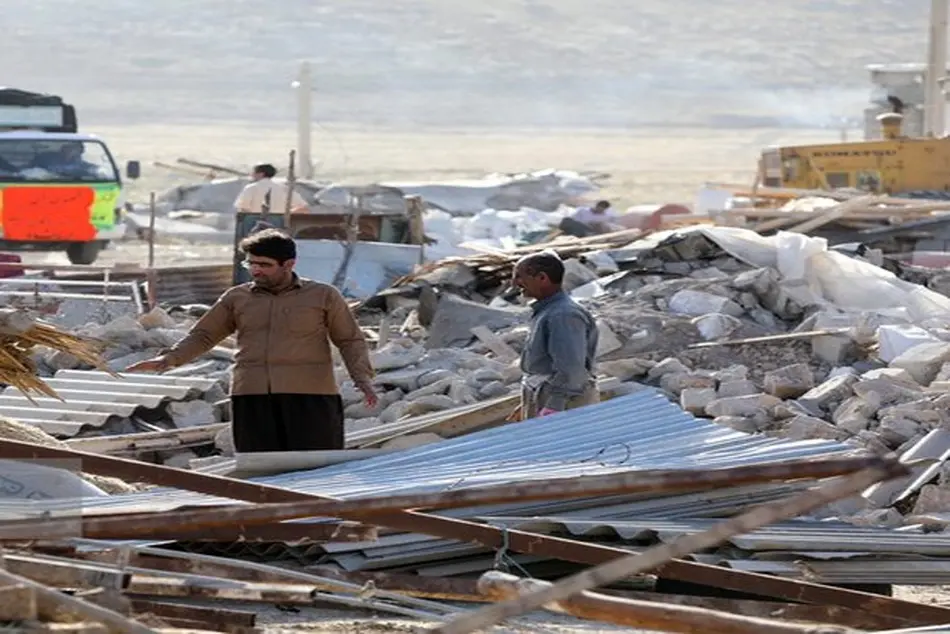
(304, 87)
(935, 103)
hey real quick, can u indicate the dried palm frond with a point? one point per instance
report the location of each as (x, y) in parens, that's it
(20, 335)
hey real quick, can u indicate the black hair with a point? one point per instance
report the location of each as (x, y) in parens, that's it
(268, 170)
(270, 243)
(603, 204)
(547, 262)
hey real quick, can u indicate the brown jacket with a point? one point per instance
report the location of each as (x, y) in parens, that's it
(283, 339)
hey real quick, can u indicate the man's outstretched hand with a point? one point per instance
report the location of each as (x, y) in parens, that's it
(369, 394)
(158, 364)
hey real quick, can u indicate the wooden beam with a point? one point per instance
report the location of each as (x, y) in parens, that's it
(494, 538)
(647, 615)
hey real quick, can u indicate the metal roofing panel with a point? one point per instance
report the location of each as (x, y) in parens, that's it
(634, 432)
(798, 536)
(94, 398)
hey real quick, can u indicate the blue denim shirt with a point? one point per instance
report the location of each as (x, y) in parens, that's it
(560, 350)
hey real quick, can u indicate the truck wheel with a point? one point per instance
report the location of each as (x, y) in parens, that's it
(84, 252)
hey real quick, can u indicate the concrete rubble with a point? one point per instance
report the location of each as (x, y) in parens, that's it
(823, 359)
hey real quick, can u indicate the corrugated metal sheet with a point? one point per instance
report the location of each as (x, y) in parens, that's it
(372, 267)
(799, 537)
(634, 432)
(91, 399)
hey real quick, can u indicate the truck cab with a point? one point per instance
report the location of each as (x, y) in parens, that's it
(59, 190)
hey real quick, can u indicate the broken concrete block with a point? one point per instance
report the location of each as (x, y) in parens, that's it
(394, 356)
(394, 411)
(180, 459)
(791, 381)
(695, 399)
(576, 274)
(789, 409)
(626, 369)
(678, 381)
(224, 441)
(895, 431)
(742, 405)
(741, 387)
(666, 366)
(854, 414)
(695, 303)
(884, 518)
(607, 340)
(716, 325)
(439, 387)
(886, 391)
(809, 427)
(731, 373)
(827, 395)
(431, 403)
(432, 376)
(488, 374)
(156, 318)
(493, 389)
(191, 413)
(895, 374)
(738, 423)
(461, 393)
(455, 317)
(932, 499)
(923, 361)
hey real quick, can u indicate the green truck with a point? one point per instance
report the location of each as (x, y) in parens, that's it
(60, 190)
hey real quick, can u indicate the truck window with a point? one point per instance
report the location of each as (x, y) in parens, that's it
(51, 161)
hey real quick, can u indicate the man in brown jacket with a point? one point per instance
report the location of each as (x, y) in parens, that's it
(284, 396)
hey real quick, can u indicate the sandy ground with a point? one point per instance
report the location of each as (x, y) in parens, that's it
(646, 165)
(336, 621)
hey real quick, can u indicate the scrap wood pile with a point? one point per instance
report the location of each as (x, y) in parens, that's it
(52, 585)
(21, 335)
(837, 212)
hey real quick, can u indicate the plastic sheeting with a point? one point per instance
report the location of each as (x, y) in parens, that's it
(833, 279)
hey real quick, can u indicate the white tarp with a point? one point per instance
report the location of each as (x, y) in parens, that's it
(832, 278)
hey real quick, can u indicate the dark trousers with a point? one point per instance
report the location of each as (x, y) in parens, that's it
(287, 422)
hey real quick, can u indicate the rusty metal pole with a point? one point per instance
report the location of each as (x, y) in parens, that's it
(491, 537)
(757, 517)
(291, 181)
(649, 615)
(151, 276)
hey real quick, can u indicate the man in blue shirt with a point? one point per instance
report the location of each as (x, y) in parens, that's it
(558, 357)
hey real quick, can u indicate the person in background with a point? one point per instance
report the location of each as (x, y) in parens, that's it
(263, 195)
(558, 357)
(284, 395)
(598, 218)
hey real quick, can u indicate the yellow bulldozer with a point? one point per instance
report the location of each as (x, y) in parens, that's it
(894, 165)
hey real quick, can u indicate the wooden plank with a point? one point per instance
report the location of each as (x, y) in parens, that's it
(638, 614)
(224, 616)
(492, 537)
(832, 214)
(148, 441)
(610, 572)
(222, 590)
(18, 603)
(53, 601)
(79, 627)
(785, 336)
(495, 343)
